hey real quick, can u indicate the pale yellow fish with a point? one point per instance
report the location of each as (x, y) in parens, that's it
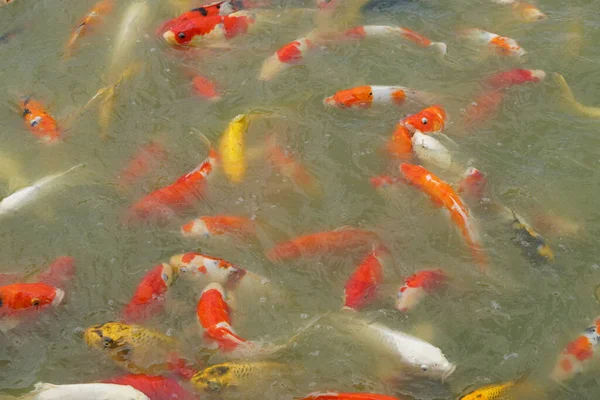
(572, 103)
(232, 148)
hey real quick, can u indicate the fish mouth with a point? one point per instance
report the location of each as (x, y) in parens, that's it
(330, 101)
(169, 36)
(449, 372)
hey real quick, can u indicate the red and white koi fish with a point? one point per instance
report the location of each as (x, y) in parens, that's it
(362, 97)
(194, 32)
(316, 243)
(59, 273)
(207, 226)
(213, 314)
(473, 184)
(208, 269)
(290, 54)
(149, 296)
(430, 119)
(417, 286)
(155, 387)
(292, 169)
(92, 18)
(147, 157)
(574, 357)
(506, 79)
(362, 285)
(385, 31)
(443, 195)
(500, 45)
(39, 121)
(348, 396)
(183, 193)
(524, 11)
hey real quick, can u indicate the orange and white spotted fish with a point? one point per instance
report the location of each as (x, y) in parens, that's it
(390, 32)
(417, 286)
(363, 97)
(219, 225)
(500, 45)
(288, 55)
(428, 120)
(39, 121)
(573, 359)
(526, 12)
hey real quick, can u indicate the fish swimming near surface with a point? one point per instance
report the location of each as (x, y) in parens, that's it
(391, 32)
(417, 286)
(347, 396)
(219, 225)
(428, 120)
(361, 287)
(155, 387)
(288, 55)
(84, 391)
(92, 18)
(232, 148)
(29, 194)
(367, 96)
(237, 374)
(500, 45)
(39, 121)
(149, 296)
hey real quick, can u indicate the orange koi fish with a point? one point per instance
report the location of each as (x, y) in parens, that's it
(144, 160)
(194, 32)
(149, 296)
(27, 296)
(155, 387)
(573, 358)
(205, 88)
(524, 11)
(182, 194)
(506, 79)
(292, 169)
(384, 31)
(213, 314)
(59, 273)
(93, 17)
(207, 226)
(211, 269)
(500, 45)
(361, 288)
(39, 121)
(443, 195)
(430, 119)
(362, 97)
(290, 54)
(316, 243)
(417, 286)
(348, 396)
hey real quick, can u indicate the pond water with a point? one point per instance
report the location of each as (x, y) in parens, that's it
(540, 159)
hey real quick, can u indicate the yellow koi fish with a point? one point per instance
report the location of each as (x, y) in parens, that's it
(231, 148)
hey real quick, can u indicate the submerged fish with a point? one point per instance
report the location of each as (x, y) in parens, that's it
(149, 296)
(84, 391)
(93, 17)
(500, 45)
(362, 97)
(290, 54)
(362, 285)
(59, 273)
(232, 148)
(417, 286)
(155, 387)
(345, 238)
(526, 12)
(237, 374)
(530, 240)
(39, 121)
(348, 396)
(443, 195)
(28, 194)
(219, 225)
(147, 157)
(572, 103)
(391, 32)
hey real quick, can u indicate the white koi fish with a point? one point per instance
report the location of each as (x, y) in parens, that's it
(84, 391)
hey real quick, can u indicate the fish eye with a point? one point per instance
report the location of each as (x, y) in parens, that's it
(181, 35)
(424, 121)
(107, 342)
(424, 368)
(165, 277)
(35, 302)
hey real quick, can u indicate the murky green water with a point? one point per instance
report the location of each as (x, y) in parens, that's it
(539, 159)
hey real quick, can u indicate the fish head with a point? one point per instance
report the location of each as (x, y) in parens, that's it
(441, 369)
(473, 183)
(407, 298)
(431, 119)
(529, 13)
(413, 174)
(214, 378)
(107, 336)
(167, 274)
(357, 97)
(20, 296)
(507, 47)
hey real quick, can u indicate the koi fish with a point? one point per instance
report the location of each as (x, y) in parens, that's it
(384, 181)
(194, 32)
(59, 273)
(181, 194)
(348, 396)
(484, 108)
(213, 314)
(143, 161)
(431, 151)
(442, 194)
(491, 392)
(524, 11)
(236, 374)
(290, 54)
(292, 169)
(149, 296)
(363, 97)
(529, 239)
(506, 79)
(155, 387)
(205, 88)
(39, 121)
(23, 296)
(573, 359)
(231, 148)
(384, 31)
(212, 269)
(473, 184)
(28, 194)
(430, 119)
(417, 356)
(316, 243)
(207, 226)
(93, 17)
(97, 391)
(362, 285)
(569, 99)
(417, 286)
(500, 45)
